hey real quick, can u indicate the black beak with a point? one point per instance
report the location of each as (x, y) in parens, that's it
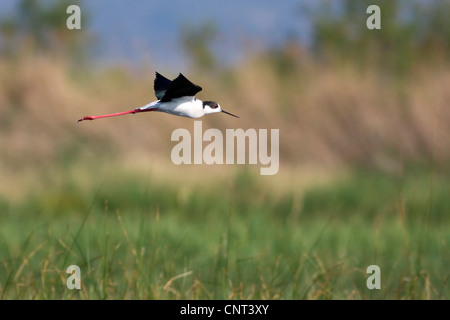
(229, 114)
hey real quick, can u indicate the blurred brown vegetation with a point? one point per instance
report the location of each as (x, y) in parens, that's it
(374, 99)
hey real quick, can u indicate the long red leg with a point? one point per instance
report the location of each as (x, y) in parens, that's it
(115, 114)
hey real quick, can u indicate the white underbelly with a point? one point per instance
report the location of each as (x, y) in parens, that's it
(183, 107)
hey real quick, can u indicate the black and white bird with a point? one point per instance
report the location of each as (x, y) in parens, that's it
(175, 97)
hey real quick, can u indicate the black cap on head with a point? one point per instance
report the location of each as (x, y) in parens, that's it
(211, 104)
(215, 105)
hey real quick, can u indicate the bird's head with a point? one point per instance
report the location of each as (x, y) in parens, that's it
(212, 107)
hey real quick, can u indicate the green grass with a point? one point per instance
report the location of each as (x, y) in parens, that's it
(135, 238)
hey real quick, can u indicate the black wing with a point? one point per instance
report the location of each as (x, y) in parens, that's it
(180, 87)
(161, 84)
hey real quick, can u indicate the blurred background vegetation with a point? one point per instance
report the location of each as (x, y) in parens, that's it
(364, 153)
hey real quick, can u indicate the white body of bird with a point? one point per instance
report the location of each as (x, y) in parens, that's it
(185, 107)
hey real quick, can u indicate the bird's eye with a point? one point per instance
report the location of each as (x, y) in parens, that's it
(215, 106)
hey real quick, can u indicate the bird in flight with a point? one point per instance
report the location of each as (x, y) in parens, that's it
(174, 97)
